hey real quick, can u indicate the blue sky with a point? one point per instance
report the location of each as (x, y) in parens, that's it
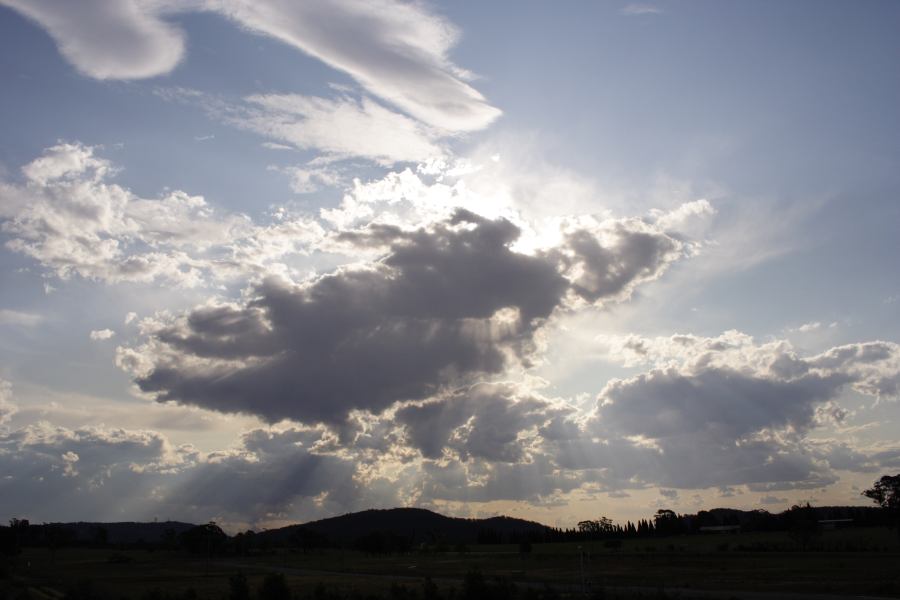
(499, 258)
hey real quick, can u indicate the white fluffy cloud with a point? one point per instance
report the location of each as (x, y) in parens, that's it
(101, 334)
(69, 217)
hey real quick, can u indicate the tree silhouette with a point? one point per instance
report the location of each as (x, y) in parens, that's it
(886, 492)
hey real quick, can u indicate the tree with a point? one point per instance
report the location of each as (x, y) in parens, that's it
(886, 492)
(595, 528)
(666, 522)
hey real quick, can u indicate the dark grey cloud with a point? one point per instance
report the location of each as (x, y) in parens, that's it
(270, 473)
(101, 473)
(538, 481)
(108, 474)
(446, 306)
(636, 253)
(482, 421)
(721, 402)
(731, 413)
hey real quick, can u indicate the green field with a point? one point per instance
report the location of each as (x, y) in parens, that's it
(846, 562)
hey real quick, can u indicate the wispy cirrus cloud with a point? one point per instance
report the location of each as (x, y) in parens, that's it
(119, 40)
(340, 128)
(637, 10)
(20, 318)
(397, 51)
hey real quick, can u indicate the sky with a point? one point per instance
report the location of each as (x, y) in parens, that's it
(267, 261)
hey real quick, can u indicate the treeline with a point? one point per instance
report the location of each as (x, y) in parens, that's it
(210, 539)
(667, 522)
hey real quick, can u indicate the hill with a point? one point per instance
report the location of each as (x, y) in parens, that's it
(417, 525)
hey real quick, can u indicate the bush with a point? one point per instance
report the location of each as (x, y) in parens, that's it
(274, 587)
(238, 589)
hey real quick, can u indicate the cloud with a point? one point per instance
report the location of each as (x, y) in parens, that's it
(19, 318)
(340, 128)
(608, 260)
(397, 51)
(725, 491)
(7, 407)
(102, 334)
(637, 10)
(103, 40)
(264, 476)
(487, 421)
(724, 411)
(444, 306)
(102, 473)
(769, 499)
(108, 473)
(538, 482)
(70, 218)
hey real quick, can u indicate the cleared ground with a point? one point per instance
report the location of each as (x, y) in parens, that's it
(857, 562)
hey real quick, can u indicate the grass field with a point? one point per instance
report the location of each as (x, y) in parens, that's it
(750, 561)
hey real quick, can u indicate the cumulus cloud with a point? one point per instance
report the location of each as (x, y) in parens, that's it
(102, 334)
(99, 471)
(488, 421)
(725, 411)
(539, 481)
(109, 473)
(445, 306)
(264, 476)
(608, 260)
(397, 51)
(74, 221)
